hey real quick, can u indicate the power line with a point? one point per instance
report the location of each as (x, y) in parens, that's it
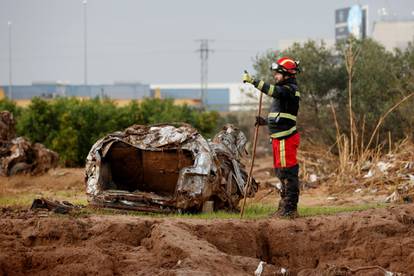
(204, 51)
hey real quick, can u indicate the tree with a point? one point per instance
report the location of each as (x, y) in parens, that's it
(71, 126)
(378, 84)
(38, 122)
(404, 68)
(322, 80)
(6, 104)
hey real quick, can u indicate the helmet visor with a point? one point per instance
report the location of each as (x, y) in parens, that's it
(275, 66)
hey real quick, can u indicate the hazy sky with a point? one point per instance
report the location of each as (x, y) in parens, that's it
(154, 41)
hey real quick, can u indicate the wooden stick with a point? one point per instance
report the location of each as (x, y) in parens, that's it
(249, 178)
(389, 142)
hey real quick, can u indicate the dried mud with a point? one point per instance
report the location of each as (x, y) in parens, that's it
(126, 245)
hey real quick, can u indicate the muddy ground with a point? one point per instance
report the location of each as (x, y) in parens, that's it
(359, 243)
(125, 245)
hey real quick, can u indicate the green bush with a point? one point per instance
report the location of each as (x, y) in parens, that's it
(380, 79)
(11, 106)
(71, 126)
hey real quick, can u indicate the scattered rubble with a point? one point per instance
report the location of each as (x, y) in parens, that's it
(18, 154)
(165, 168)
(394, 197)
(332, 198)
(391, 173)
(63, 207)
(7, 123)
(259, 269)
(316, 166)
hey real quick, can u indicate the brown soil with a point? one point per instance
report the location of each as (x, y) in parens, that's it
(359, 243)
(114, 245)
(59, 179)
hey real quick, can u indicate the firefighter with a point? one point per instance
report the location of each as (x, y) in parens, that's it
(281, 122)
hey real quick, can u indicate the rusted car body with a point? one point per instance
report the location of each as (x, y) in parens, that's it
(18, 154)
(167, 168)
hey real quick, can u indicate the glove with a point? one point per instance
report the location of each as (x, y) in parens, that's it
(247, 78)
(260, 121)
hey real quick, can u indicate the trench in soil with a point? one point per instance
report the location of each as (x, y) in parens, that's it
(130, 169)
(126, 245)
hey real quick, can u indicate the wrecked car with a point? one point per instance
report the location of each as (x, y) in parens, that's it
(18, 154)
(167, 168)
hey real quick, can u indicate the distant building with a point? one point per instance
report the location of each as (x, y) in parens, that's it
(354, 20)
(22, 94)
(394, 34)
(351, 21)
(219, 96)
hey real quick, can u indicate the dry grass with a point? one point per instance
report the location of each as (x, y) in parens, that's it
(59, 184)
(363, 164)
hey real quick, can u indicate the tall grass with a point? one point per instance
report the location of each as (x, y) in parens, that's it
(252, 212)
(353, 153)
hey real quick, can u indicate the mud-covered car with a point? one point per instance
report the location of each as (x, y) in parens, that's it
(166, 168)
(19, 155)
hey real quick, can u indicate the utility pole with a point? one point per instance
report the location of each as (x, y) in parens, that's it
(85, 47)
(10, 94)
(204, 51)
(85, 42)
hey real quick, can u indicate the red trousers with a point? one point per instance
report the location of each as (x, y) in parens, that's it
(285, 150)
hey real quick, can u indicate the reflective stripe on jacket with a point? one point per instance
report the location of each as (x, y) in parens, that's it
(284, 108)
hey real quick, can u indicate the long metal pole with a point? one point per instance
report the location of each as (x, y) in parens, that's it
(249, 178)
(85, 41)
(10, 61)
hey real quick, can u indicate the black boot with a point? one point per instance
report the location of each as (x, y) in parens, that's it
(281, 206)
(290, 190)
(282, 202)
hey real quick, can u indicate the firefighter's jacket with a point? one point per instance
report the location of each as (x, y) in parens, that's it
(281, 119)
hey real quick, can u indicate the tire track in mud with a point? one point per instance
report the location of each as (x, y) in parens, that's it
(122, 245)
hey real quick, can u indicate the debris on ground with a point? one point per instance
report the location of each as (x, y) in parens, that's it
(392, 172)
(394, 197)
(259, 269)
(7, 123)
(316, 166)
(389, 172)
(63, 207)
(18, 154)
(165, 168)
(344, 270)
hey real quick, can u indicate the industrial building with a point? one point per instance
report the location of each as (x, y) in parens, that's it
(221, 97)
(394, 34)
(122, 92)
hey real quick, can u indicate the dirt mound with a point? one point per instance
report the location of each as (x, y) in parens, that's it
(360, 243)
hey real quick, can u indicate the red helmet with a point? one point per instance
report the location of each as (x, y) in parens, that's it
(286, 66)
